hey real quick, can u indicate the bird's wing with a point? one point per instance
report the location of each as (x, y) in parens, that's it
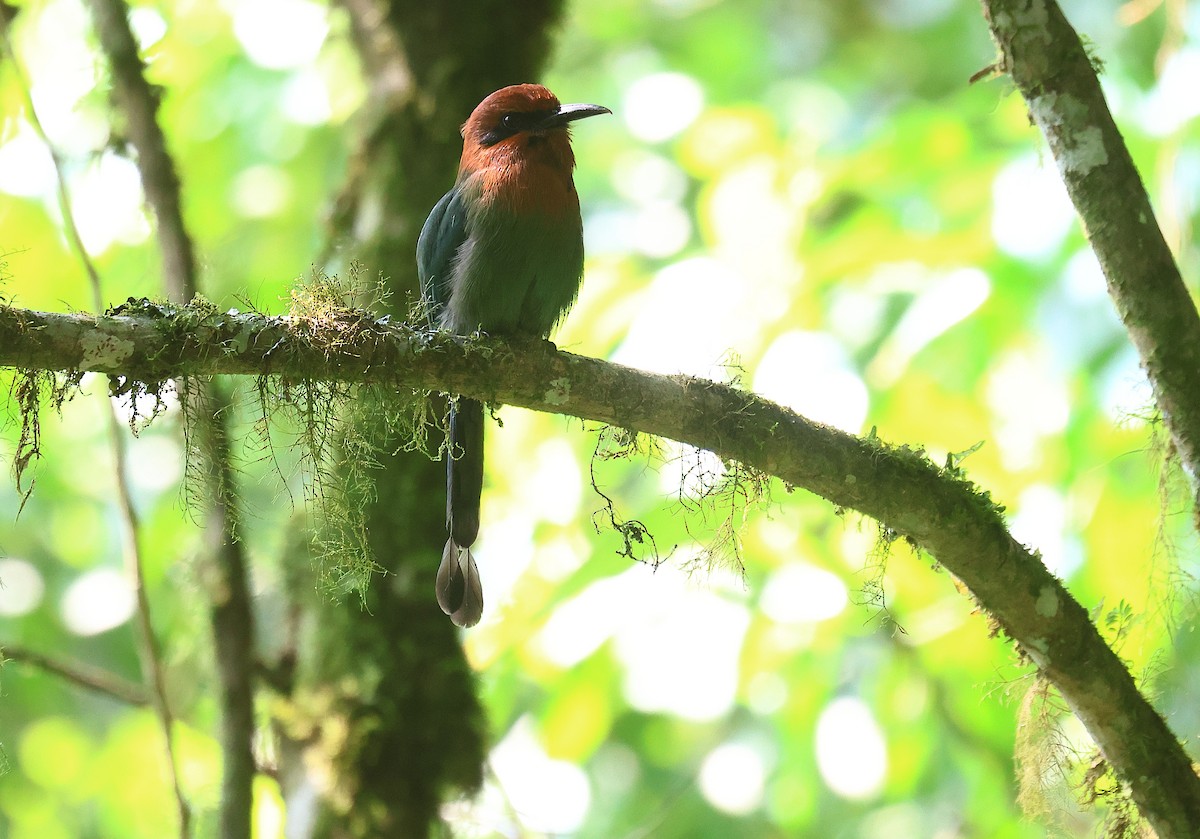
(444, 232)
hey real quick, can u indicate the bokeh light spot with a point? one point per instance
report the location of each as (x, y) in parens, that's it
(802, 593)
(96, 602)
(682, 658)
(148, 26)
(659, 106)
(1041, 521)
(732, 777)
(21, 587)
(1173, 102)
(851, 752)
(107, 203)
(261, 191)
(549, 795)
(767, 692)
(1031, 211)
(810, 373)
(682, 325)
(280, 34)
(53, 752)
(26, 168)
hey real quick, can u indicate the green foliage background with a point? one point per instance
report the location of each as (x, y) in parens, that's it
(836, 218)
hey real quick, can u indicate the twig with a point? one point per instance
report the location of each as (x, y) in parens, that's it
(231, 617)
(84, 675)
(64, 198)
(138, 101)
(148, 648)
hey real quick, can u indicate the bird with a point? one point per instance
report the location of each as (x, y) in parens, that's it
(501, 253)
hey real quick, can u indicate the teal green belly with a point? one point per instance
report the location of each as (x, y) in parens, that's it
(515, 275)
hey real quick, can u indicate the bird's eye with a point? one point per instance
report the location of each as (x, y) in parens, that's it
(510, 122)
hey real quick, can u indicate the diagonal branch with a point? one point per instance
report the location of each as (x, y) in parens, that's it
(1051, 67)
(148, 647)
(231, 616)
(86, 676)
(138, 101)
(935, 508)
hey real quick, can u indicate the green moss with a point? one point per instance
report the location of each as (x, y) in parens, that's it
(342, 427)
(29, 392)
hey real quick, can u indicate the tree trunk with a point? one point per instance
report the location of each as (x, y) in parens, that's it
(383, 721)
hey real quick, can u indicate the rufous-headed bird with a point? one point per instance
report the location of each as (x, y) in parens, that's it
(501, 253)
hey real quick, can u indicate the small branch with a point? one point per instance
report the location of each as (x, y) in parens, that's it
(148, 648)
(231, 616)
(64, 197)
(138, 101)
(232, 620)
(84, 675)
(1051, 68)
(935, 508)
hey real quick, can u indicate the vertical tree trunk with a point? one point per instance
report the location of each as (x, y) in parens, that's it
(383, 721)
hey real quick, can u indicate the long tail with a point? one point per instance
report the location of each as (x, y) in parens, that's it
(459, 592)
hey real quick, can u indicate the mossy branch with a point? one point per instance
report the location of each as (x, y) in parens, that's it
(935, 508)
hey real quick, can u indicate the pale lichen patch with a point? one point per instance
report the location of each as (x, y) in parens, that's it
(104, 352)
(1047, 602)
(1032, 20)
(559, 393)
(1088, 152)
(1080, 147)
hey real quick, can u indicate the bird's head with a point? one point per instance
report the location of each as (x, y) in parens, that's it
(522, 119)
